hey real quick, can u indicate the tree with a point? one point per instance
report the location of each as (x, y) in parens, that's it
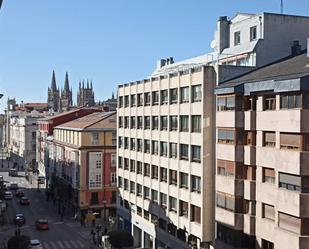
(120, 238)
(19, 242)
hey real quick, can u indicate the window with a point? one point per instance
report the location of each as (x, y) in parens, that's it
(173, 177)
(154, 196)
(291, 101)
(146, 214)
(154, 172)
(184, 94)
(249, 138)
(113, 160)
(126, 184)
(163, 174)
(164, 97)
(120, 102)
(196, 93)
(173, 123)
(146, 99)
(237, 38)
(133, 125)
(139, 211)
(147, 123)
(139, 145)
(146, 169)
(174, 95)
(95, 138)
(226, 201)
(268, 211)
(155, 122)
(139, 190)
(139, 167)
(270, 102)
(225, 168)
(269, 139)
(173, 150)
(195, 184)
(155, 98)
(119, 182)
(133, 100)
(132, 187)
(146, 193)
(184, 151)
(267, 244)
(290, 141)
(94, 198)
(139, 122)
(184, 180)
(120, 122)
(140, 101)
(253, 33)
(120, 163)
(126, 143)
(163, 149)
(289, 222)
(126, 122)
(184, 123)
(196, 123)
(132, 144)
(268, 175)
(226, 103)
(163, 200)
(195, 214)
(290, 182)
(196, 153)
(250, 172)
(249, 103)
(163, 125)
(183, 208)
(126, 101)
(126, 164)
(226, 136)
(132, 165)
(147, 146)
(114, 138)
(155, 148)
(173, 204)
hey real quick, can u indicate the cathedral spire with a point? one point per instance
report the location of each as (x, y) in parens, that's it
(87, 84)
(53, 82)
(66, 83)
(91, 85)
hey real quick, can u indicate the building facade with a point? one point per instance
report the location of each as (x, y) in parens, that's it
(84, 168)
(262, 155)
(165, 158)
(85, 95)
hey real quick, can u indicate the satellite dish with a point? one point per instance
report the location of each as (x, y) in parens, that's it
(213, 44)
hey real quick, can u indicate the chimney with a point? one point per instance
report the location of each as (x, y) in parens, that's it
(161, 63)
(223, 34)
(296, 48)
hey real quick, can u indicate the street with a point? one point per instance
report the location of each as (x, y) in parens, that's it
(66, 234)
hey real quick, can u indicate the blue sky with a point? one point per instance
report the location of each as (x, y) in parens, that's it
(108, 42)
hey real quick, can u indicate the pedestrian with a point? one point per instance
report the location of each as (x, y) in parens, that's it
(93, 223)
(93, 238)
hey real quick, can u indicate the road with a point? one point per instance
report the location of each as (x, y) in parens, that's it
(66, 234)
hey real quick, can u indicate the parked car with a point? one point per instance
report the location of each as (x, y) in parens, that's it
(8, 195)
(42, 224)
(24, 201)
(14, 186)
(35, 244)
(19, 193)
(19, 219)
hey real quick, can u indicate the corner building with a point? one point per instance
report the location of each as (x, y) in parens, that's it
(165, 158)
(262, 175)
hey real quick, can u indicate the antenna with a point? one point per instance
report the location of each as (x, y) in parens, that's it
(281, 6)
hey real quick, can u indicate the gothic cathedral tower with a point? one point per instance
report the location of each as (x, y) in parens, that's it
(53, 95)
(85, 95)
(65, 102)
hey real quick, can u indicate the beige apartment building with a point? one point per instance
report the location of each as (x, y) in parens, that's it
(262, 175)
(165, 159)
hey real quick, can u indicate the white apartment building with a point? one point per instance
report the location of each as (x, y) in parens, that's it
(166, 157)
(262, 175)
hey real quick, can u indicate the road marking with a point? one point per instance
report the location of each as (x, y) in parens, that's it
(61, 245)
(53, 244)
(45, 245)
(80, 243)
(58, 222)
(74, 243)
(67, 244)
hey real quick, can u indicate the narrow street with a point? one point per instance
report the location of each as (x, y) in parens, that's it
(66, 234)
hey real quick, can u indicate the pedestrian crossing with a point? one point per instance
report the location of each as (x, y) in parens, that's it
(65, 244)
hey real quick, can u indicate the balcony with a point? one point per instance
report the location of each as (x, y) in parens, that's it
(287, 240)
(250, 120)
(249, 155)
(249, 190)
(249, 224)
(291, 161)
(230, 218)
(229, 185)
(229, 119)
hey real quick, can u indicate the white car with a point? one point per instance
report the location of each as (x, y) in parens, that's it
(8, 195)
(35, 244)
